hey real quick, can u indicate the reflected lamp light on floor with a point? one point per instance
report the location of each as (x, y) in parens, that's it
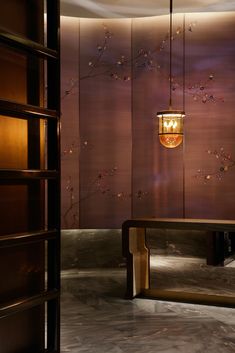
(171, 122)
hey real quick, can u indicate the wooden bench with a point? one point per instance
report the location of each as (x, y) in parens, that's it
(137, 256)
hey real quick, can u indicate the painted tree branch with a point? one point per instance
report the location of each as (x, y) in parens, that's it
(225, 163)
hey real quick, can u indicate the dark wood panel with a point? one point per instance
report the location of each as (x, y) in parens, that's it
(13, 143)
(25, 271)
(36, 205)
(22, 207)
(23, 332)
(13, 75)
(13, 16)
(23, 17)
(13, 209)
(23, 201)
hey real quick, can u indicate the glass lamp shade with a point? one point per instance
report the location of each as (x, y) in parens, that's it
(171, 124)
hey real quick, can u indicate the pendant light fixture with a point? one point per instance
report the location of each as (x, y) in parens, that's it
(171, 121)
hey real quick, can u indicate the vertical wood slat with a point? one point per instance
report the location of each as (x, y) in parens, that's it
(36, 188)
(53, 101)
(36, 210)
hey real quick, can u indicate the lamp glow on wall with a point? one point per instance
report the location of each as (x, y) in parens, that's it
(171, 121)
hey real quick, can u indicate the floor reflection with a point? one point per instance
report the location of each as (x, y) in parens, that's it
(96, 319)
(191, 274)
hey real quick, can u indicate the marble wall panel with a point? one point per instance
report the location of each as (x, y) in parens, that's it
(91, 248)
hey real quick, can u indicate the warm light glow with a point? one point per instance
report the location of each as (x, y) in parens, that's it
(171, 128)
(170, 140)
(172, 124)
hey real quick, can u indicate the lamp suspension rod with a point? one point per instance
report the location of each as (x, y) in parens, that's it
(170, 78)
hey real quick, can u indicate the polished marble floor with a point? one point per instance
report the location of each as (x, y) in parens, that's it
(192, 274)
(96, 319)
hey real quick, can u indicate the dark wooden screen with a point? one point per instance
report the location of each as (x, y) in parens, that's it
(29, 176)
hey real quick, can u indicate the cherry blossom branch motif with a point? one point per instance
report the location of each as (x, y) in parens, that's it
(225, 163)
(199, 91)
(119, 69)
(100, 185)
(69, 150)
(144, 59)
(71, 210)
(148, 59)
(74, 148)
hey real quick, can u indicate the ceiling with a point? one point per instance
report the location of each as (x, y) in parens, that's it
(139, 8)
